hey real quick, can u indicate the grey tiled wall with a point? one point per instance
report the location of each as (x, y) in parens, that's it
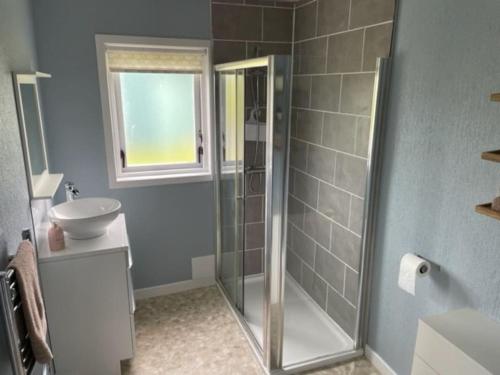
(251, 28)
(335, 48)
(245, 29)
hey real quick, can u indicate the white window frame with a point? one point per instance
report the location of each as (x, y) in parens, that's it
(132, 176)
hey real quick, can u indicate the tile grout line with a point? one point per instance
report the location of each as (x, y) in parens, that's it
(324, 248)
(303, 263)
(305, 4)
(250, 41)
(340, 95)
(345, 276)
(363, 50)
(344, 31)
(261, 24)
(329, 148)
(331, 112)
(245, 5)
(327, 217)
(335, 73)
(349, 15)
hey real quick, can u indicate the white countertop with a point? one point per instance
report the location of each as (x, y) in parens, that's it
(115, 239)
(473, 333)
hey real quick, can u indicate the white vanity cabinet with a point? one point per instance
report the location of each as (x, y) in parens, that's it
(460, 342)
(90, 302)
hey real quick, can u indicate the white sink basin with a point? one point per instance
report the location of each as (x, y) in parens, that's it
(85, 218)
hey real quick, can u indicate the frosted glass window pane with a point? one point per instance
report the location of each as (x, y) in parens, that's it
(158, 118)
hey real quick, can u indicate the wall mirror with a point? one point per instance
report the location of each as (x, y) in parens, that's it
(42, 184)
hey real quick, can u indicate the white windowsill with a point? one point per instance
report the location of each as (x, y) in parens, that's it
(130, 182)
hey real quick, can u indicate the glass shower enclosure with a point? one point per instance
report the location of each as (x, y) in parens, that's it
(288, 329)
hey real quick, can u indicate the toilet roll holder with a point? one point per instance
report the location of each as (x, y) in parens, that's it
(434, 265)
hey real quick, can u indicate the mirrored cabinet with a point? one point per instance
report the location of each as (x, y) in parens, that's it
(42, 183)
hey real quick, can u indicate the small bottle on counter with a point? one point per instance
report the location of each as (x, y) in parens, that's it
(56, 238)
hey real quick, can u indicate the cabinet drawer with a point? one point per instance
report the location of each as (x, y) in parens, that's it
(442, 355)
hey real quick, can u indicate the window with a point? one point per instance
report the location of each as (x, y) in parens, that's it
(155, 101)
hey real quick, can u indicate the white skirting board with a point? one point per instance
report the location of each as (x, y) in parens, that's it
(378, 362)
(203, 274)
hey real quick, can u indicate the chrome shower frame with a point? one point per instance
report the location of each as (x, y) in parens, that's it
(277, 134)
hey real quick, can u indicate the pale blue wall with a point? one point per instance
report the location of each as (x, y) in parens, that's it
(168, 225)
(17, 53)
(446, 63)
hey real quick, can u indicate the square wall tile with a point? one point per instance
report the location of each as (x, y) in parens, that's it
(330, 268)
(254, 236)
(314, 286)
(317, 226)
(258, 49)
(309, 125)
(253, 261)
(357, 215)
(321, 163)
(228, 51)
(298, 154)
(350, 174)
(278, 24)
(294, 265)
(293, 122)
(301, 91)
(256, 184)
(253, 209)
(325, 92)
(303, 246)
(346, 246)
(311, 55)
(345, 52)
(291, 181)
(334, 203)
(285, 4)
(351, 286)
(339, 132)
(236, 22)
(377, 44)
(305, 21)
(295, 212)
(333, 16)
(370, 12)
(306, 188)
(357, 93)
(260, 2)
(341, 312)
(362, 136)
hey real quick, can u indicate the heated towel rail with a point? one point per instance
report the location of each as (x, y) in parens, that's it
(21, 354)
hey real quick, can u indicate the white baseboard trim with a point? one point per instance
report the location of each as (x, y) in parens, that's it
(378, 362)
(181, 286)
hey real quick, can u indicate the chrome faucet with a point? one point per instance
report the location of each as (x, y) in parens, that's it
(71, 191)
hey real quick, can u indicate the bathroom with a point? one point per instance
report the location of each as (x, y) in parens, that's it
(318, 204)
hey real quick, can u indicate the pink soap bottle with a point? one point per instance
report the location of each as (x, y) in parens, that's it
(56, 238)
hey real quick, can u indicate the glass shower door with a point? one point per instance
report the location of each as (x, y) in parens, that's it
(230, 147)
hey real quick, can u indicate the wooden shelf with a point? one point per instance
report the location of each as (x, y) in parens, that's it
(491, 155)
(485, 209)
(495, 97)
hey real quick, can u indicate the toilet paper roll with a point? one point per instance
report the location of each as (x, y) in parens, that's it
(411, 268)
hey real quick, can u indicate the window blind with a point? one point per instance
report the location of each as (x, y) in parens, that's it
(155, 61)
